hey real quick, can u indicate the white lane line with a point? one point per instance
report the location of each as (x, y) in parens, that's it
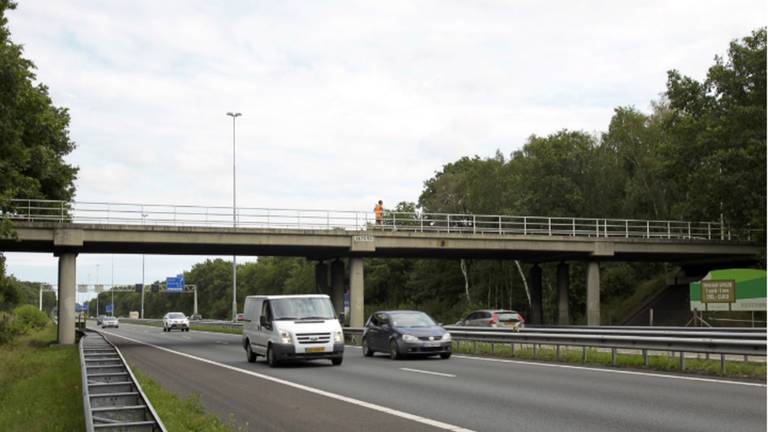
(625, 372)
(428, 372)
(394, 412)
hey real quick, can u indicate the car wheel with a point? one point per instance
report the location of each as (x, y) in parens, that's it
(271, 361)
(164, 329)
(445, 356)
(367, 351)
(249, 353)
(394, 354)
(337, 361)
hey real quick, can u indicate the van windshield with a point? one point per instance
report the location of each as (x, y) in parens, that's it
(302, 308)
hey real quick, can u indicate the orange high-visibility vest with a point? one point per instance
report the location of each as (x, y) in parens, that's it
(379, 210)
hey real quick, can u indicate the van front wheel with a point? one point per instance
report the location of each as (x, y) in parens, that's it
(271, 361)
(337, 361)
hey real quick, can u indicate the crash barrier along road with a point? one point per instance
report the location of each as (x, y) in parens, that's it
(747, 342)
(112, 398)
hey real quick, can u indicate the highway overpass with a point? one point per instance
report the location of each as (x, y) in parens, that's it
(68, 229)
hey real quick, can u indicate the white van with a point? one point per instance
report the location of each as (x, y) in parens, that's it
(292, 327)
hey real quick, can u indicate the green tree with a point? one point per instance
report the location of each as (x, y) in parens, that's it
(716, 153)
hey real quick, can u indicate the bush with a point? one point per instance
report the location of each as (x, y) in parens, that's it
(28, 318)
(7, 328)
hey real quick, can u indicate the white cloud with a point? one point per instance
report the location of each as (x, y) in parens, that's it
(344, 102)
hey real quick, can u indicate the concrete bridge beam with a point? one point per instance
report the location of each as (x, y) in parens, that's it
(67, 265)
(356, 292)
(337, 285)
(593, 293)
(563, 314)
(537, 309)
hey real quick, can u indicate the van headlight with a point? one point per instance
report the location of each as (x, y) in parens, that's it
(410, 338)
(285, 337)
(446, 337)
(338, 337)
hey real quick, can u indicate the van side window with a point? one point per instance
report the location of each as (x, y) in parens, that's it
(266, 311)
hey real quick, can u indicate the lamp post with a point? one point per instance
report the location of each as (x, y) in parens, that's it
(143, 218)
(234, 116)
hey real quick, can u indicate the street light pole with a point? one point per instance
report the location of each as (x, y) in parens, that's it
(234, 116)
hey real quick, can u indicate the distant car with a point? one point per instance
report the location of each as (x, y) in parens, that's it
(110, 321)
(195, 317)
(400, 333)
(240, 317)
(175, 320)
(500, 318)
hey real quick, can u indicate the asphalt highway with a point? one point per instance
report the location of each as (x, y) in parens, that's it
(461, 393)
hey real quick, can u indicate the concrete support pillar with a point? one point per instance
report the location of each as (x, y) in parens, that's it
(563, 315)
(356, 292)
(537, 310)
(337, 285)
(321, 278)
(67, 263)
(593, 293)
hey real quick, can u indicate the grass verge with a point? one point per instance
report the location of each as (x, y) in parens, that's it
(41, 384)
(181, 414)
(657, 362)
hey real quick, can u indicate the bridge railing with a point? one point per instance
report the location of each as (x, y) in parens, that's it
(308, 219)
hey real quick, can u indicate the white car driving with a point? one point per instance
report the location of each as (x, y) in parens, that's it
(175, 320)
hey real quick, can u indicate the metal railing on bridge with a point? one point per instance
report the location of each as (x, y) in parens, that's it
(84, 212)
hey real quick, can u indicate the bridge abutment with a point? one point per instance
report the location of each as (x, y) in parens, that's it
(593, 293)
(537, 309)
(337, 285)
(563, 314)
(356, 292)
(67, 269)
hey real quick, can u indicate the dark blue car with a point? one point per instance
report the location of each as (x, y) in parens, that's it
(400, 333)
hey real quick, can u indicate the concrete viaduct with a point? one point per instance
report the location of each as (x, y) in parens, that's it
(534, 240)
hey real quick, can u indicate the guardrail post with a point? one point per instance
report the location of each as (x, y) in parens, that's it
(722, 364)
(499, 224)
(29, 210)
(474, 224)
(689, 230)
(669, 230)
(645, 357)
(449, 224)
(605, 227)
(647, 229)
(709, 231)
(626, 228)
(493, 348)
(613, 357)
(549, 226)
(597, 228)
(394, 221)
(421, 223)
(682, 361)
(328, 219)
(512, 346)
(573, 224)
(525, 225)
(557, 352)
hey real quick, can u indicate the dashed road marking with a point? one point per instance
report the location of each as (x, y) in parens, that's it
(428, 372)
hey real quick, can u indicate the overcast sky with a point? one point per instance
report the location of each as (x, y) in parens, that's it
(343, 103)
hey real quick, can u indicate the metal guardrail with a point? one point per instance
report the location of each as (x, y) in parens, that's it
(112, 398)
(306, 219)
(703, 345)
(681, 340)
(192, 323)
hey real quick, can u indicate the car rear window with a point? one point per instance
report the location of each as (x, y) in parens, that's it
(508, 316)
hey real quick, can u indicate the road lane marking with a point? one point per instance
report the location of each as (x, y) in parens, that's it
(624, 372)
(380, 408)
(428, 372)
